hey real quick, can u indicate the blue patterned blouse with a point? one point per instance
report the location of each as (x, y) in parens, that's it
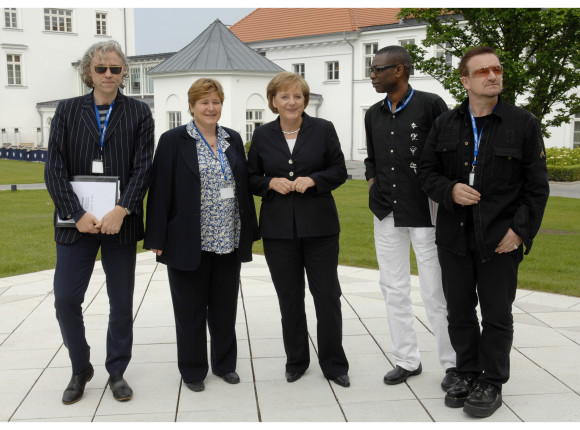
(220, 218)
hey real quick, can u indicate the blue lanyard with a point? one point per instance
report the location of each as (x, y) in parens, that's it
(401, 107)
(104, 129)
(476, 137)
(219, 151)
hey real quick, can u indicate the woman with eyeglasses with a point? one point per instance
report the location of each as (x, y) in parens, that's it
(294, 163)
(201, 223)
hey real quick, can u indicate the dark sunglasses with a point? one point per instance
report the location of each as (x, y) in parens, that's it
(115, 70)
(484, 71)
(377, 69)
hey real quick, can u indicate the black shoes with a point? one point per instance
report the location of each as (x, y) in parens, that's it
(483, 400)
(76, 387)
(342, 380)
(451, 378)
(195, 386)
(399, 375)
(121, 390)
(457, 395)
(230, 378)
(293, 376)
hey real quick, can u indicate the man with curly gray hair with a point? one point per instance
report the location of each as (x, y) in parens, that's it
(103, 133)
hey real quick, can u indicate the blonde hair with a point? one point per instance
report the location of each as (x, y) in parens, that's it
(282, 81)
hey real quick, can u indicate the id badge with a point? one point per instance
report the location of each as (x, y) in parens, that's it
(471, 178)
(98, 166)
(227, 193)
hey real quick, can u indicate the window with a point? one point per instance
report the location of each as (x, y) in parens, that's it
(298, 69)
(254, 119)
(405, 42)
(332, 70)
(10, 17)
(135, 80)
(173, 119)
(58, 20)
(148, 80)
(101, 18)
(576, 143)
(440, 52)
(370, 49)
(14, 69)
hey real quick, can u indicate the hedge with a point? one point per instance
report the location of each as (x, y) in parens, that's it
(564, 173)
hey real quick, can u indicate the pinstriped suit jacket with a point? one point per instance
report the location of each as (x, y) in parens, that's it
(127, 153)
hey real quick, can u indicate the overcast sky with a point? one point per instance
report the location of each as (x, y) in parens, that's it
(169, 30)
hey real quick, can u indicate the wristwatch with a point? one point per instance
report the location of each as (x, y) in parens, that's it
(128, 211)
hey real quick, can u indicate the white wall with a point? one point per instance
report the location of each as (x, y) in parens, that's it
(47, 72)
(239, 89)
(338, 106)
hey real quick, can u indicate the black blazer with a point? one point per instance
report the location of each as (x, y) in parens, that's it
(174, 200)
(317, 154)
(128, 153)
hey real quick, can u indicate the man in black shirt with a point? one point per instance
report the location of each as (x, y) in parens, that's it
(484, 162)
(396, 129)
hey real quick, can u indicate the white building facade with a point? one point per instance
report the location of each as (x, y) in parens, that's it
(39, 50)
(336, 67)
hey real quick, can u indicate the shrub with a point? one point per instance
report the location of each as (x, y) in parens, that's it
(247, 146)
(564, 173)
(562, 156)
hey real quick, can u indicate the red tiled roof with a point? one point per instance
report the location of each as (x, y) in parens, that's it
(282, 23)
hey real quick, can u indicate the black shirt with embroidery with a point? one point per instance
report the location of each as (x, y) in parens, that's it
(395, 143)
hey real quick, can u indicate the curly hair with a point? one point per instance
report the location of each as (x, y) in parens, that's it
(97, 50)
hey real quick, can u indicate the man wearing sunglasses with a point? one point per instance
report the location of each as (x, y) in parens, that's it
(103, 133)
(396, 129)
(484, 162)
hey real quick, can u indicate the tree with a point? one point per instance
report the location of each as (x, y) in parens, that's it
(538, 48)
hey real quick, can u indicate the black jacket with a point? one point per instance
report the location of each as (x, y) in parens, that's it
(317, 154)
(511, 176)
(174, 200)
(394, 147)
(128, 153)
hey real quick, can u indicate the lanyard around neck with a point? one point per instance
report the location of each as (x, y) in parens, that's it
(103, 130)
(401, 107)
(476, 137)
(219, 152)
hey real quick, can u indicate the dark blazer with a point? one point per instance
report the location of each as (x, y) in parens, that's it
(174, 200)
(128, 153)
(317, 154)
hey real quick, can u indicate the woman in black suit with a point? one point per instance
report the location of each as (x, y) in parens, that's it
(201, 223)
(294, 163)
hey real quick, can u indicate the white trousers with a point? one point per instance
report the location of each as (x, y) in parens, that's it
(393, 255)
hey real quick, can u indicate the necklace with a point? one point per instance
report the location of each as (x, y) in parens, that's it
(291, 132)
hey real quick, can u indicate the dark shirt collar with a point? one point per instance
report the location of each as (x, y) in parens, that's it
(385, 105)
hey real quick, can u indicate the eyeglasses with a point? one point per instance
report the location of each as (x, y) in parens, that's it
(484, 71)
(115, 70)
(377, 69)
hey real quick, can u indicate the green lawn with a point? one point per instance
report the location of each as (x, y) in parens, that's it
(27, 245)
(21, 172)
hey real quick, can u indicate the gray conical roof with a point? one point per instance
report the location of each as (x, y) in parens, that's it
(216, 49)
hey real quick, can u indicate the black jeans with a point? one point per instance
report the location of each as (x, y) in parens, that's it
(207, 295)
(483, 353)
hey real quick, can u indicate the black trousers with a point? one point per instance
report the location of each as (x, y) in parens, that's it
(207, 295)
(74, 267)
(287, 259)
(483, 353)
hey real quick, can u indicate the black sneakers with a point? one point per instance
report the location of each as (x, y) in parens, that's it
(483, 400)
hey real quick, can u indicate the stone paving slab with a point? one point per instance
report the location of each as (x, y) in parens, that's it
(34, 365)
